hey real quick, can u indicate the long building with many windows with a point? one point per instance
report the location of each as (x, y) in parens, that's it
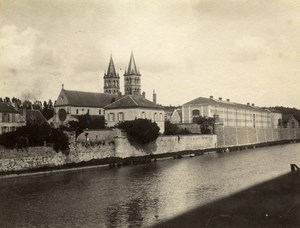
(229, 113)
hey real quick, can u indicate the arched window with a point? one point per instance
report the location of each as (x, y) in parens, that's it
(155, 116)
(161, 116)
(76, 111)
(121, 116)
(109, 82)
(114, 82)
(196, 112)
(143, 115)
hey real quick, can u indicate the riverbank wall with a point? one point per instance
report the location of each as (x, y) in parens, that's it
(243, 136)
(102, 152)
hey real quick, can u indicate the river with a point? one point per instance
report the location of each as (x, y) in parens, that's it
(137, 196)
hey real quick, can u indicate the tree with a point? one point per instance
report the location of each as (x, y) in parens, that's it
(142, 131)
(206, 124)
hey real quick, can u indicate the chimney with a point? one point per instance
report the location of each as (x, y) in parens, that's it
(228, 100)
(154, 97)
(248, 104)
(211, 97)
(253, 104)
(119, 95)
(220, 98)
(144, 94)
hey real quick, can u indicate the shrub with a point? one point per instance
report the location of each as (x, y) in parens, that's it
(170, 129)
(60, 140)
(206, 124)
(173, 129)
(142, 131)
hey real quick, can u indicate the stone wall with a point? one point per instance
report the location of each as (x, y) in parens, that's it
(237, 136)
(97, 135)
(165, 144)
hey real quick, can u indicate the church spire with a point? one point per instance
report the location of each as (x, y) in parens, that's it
(111, 79)
(132, 69)
(111, 71)
(132, 78)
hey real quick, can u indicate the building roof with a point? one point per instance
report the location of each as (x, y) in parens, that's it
(132, 69)
(131, 101)
(217, 102)
(287, 117)
(7, 108)
(87, 99)
(111, 71)
(35, 117)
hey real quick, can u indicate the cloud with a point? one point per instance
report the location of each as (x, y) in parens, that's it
(25, 50)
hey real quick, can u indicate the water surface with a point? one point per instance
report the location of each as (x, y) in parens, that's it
(140, 195)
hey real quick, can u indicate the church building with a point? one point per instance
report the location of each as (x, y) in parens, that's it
(70, 104)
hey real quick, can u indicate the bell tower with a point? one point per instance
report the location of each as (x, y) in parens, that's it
(132, 79)
(111, 79)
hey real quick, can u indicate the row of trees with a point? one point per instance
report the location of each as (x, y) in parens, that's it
(35, 135)
(46, 107)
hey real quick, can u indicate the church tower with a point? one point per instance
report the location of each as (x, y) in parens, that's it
(132, 79)
(111, 79)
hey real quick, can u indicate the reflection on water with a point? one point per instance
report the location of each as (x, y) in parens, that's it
(136, 196)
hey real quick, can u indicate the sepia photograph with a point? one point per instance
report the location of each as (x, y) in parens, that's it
(149, 113)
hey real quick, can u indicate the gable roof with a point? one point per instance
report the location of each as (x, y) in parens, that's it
(35, 117)
(131, 101)
(211, 101)
(7, 108)
(87, 99)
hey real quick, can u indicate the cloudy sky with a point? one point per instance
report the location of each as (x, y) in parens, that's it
(248, 51)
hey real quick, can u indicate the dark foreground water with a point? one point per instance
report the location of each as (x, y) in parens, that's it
(135, 196)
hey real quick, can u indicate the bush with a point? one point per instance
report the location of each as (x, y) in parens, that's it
(170, 129)
(206, 124)
(35, 135)
(142, 131)
(173, 129)
(60, 140)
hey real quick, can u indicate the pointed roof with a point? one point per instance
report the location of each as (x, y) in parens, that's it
(132, 69)
(131, 101)
(111, 71)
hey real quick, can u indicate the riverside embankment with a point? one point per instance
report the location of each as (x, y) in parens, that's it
(107, 147)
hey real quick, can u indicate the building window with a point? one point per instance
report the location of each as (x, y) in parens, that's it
(5, 117)
(143, 115)
(111, 117)
(161, 116)
(121, 116)
(254, 120)
(76, 111)
(155, 116)
(82, 110)
(196, 112)
(99, 111)
(88, 111)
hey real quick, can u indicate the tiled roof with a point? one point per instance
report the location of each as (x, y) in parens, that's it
(7, 108)
(131, 101)
(35, 117)
(89, 99)
(215, 102)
